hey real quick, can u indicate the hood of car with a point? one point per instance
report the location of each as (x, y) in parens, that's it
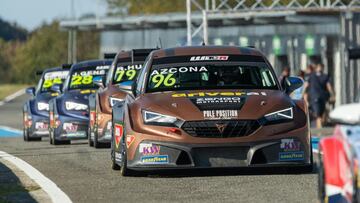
(80, 96)
(216, 104)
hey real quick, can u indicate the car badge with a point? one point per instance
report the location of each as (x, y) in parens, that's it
(221, 127)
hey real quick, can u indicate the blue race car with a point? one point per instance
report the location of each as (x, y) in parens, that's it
(69, 114)
(36, 109)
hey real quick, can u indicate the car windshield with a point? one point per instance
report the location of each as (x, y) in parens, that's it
(211, 76)
(124, 73)
(82, 78)
(52, 78)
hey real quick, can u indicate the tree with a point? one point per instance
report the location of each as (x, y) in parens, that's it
(47, 47)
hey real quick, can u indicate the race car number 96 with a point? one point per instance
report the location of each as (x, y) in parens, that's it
(49, 82)
(160, 79)
(130, 74)
(79, 80)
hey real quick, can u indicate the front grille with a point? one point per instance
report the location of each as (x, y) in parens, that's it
(220, 129)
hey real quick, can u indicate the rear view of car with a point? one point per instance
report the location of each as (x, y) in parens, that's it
(36, 110)
(124, 70)
(68, 113)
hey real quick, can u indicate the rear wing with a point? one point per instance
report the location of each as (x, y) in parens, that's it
(140, 54)
(109, 55)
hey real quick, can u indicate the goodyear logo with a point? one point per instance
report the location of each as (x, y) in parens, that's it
(214, 94)
(159, 159)
(291, 156)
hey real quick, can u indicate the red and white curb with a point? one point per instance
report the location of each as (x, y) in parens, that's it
(54, 192)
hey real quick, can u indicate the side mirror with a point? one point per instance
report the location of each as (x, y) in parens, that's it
(290, 84)
(341, 115)
(56, 88)
(30, 90)
(99, 82)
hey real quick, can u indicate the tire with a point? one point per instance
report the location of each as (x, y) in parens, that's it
(97, 145)
(90, 142)
(25, 134)
(321, 178)
(124, 171)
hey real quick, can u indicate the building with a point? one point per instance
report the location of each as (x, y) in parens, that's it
(289, 36)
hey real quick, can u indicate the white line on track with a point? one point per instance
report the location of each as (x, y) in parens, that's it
(55, 193)
(14, 130)
(12, 96)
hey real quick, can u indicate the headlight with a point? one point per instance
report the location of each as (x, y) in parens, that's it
(153, 118)
(286, 114)
(42, 106)
(113, 101)
(75, 106)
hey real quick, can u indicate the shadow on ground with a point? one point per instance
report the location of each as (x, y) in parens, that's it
(11, 188)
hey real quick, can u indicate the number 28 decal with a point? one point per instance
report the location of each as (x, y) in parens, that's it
(79, 80)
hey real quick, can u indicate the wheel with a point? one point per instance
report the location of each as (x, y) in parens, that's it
(321, 179)
(97, 145)
(114, 165)
(90, 142)
(123, 166)
(25, 134)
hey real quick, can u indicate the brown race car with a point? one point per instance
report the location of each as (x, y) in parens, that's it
(210, 106)
(124, 70)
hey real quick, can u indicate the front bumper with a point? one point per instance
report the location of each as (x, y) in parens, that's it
(162, 155)
(71, 128)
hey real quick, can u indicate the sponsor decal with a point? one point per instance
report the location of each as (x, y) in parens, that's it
(209, 58)
(87, 91)
(215, 94)
(56, 75)
(291, 156)
(183, 69)
(219, 103)
(41, 126)
(102, 67)
(157, 159)
(218, 100)
(290, 145)
(220, 114)
(70, 128)
(119, 131)
(76, 134)
(149, 149)
(129, 140)
(118, 156)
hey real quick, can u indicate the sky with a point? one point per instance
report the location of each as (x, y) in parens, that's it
(30, 14)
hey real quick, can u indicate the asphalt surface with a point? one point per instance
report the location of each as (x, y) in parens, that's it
(85, 175)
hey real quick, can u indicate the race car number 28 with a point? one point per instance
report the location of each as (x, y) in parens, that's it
(78, 80)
